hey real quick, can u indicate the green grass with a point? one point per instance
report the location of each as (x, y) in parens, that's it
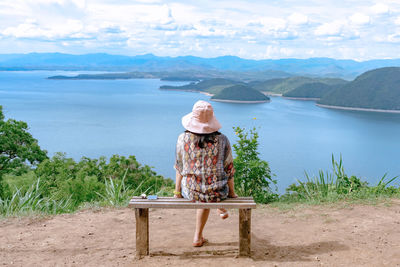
(32, 202)
(337, 186)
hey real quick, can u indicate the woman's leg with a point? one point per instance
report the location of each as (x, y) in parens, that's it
(201, 220)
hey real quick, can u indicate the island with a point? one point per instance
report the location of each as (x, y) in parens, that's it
(375, 90)
(223, 90)
(240, 94)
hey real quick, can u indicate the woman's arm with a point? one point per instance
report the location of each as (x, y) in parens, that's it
(178, 179)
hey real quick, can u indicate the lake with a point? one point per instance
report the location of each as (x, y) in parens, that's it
(133, 117)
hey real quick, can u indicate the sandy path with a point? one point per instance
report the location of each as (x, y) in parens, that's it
(353, 235)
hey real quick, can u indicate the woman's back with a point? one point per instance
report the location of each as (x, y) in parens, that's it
(206, 164)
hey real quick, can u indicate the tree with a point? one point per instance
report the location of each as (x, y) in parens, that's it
(253, 175)
(17, 147)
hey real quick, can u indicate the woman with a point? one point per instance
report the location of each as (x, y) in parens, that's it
(204, 164)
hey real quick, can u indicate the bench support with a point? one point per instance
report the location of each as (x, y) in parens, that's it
(142, 232)
(244, 232)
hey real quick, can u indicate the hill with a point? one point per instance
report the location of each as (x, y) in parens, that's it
(240, 93)
(375, 89)
(284, 85)
(314, 90)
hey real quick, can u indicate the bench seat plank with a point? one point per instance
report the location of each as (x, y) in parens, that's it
(181, 203)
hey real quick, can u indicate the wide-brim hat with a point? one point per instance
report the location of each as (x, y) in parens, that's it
(202, 119)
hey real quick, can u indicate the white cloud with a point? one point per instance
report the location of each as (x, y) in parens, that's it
(330, 29)
(257, 29)
(380, 8)
(359, 19)
(31, 29)
(298, 19)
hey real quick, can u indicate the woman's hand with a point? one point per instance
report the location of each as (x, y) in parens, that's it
(177, 194)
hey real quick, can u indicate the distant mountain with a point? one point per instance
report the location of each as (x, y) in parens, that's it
(314, 90)
(279, 68)
(240, 93)
(375, 89)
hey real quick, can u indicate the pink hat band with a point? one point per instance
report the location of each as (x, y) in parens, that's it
(202, 119)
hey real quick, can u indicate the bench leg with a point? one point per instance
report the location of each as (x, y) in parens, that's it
(244, 232)
(142, 232)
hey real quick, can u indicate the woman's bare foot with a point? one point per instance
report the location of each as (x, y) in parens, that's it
(223, 213)
(200, 242)
(233, 195)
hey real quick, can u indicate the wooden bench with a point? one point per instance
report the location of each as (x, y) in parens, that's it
(244, 204)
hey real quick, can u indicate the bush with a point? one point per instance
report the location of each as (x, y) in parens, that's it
(253, 175)
(63, 176)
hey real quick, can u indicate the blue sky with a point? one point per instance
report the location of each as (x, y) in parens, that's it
(359, 30)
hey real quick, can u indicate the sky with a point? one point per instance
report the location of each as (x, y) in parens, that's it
(359, 30)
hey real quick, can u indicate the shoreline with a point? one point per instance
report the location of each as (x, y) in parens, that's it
(192, 91)
(240, 101)
(302, 98)
(267, 93)
(360, 109)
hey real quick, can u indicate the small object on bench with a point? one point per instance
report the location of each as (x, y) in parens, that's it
(152, 197)
(244, 204)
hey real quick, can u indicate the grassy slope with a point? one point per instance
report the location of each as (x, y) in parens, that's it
(285, 85)
(241, 93)
(376, 89)
(310, 90)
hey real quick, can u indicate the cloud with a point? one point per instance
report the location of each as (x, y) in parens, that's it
(380, 9)
(330, 29)
(31, 29)
(359, 19)
(298, 19)
(255, 29)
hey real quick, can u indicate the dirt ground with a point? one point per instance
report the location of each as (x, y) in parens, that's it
(342, 235)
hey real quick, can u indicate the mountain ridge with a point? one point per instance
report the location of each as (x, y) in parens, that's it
(319, 66)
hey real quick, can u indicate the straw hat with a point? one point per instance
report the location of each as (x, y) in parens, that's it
(201, 120)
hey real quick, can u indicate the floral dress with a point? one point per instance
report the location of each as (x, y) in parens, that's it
(205, 171)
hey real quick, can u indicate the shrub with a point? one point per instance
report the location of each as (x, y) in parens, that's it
(253, 175)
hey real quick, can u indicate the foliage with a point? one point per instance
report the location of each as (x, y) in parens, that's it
(17, 148)
(63, 176)
(253, 175)
(337, 185)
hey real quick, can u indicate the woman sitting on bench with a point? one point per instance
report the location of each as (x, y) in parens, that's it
(204, 164)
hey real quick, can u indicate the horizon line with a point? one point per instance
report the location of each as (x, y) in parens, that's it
(227, 55)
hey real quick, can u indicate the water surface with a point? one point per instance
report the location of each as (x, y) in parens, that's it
(105, 117)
